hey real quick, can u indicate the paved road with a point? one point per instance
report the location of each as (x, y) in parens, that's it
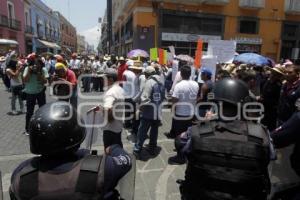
(155, 180)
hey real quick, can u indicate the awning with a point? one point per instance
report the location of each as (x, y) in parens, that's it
(11, 42)
(49, 44)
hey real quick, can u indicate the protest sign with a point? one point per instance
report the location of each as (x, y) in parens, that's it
(153, 54)
(224, 50)
(210, 63)
(172, 50)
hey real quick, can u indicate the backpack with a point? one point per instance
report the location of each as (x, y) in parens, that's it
(228, 161)
(158, 92)
(89, 184)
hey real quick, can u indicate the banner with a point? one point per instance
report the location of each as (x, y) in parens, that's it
(161, 53)
(198, 54)
(165, 57)
(224, 50)
(153, 54)
(210, 63)
(172, 50)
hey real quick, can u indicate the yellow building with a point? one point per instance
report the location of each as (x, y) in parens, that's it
(268, 27)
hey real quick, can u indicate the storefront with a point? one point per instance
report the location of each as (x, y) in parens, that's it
(6, 45)
(45, 46)
(186, 43)
(248, 45)
(183, 29)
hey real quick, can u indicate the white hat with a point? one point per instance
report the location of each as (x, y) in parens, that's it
(130, 63)
(149, 70)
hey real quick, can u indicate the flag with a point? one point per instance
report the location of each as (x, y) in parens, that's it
(198, 54)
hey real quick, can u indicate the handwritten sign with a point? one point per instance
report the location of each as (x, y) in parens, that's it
(224, 50)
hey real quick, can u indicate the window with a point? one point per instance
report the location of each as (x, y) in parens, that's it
(290, 30)
(248, 26)
(11, 10)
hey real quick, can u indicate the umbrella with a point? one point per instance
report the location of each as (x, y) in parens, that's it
(137, 53)
(186, 58)
(252, 58)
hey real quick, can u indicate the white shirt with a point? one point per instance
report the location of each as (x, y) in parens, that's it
(177, 79)
(114, 99)
(16, 81)
(186, 92)
(74, 64)
(129, 86)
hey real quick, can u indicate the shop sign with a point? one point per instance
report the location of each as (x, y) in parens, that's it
(182, 37)
(245, 40)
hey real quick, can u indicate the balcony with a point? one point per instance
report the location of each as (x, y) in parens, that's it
(215, 2)
(252, 4)
(29, 29)
(14, 24)
(3, 21)
(292, 6)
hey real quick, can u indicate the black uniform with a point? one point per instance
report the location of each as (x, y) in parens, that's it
(53, 173)
(62, 171)
(288, 134)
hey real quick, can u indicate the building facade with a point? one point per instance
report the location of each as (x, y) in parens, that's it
(80, 44)
(28, 28)
(12, 25)
(68, 36)
(267, 27)
(46, 28)
(103, 45)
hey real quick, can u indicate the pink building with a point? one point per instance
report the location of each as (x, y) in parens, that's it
(12, 25)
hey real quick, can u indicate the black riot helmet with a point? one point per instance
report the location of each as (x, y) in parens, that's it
(232, 91)
(54, 130)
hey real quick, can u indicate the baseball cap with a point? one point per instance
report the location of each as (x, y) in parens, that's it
(206, 71)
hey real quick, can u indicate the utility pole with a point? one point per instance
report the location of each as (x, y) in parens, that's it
(109, 24)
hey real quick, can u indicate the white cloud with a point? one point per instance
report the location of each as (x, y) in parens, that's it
(92, 35)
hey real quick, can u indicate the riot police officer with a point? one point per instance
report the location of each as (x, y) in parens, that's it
(229, 155)
(62, 170)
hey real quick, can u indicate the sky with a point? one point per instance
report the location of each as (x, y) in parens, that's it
(83, 14)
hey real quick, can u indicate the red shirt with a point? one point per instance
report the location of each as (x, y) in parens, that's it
(121, 70)
(71, 77)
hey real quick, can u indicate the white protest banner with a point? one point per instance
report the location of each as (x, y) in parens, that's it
(224, 50)
(210, 63)
(174, 69)
(172, 50)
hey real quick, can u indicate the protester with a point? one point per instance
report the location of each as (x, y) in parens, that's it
(122, 68)
(289, 94)
(206, 77)
(270, 97)
(113, 105)
(67, 82)
(14, 71)
(97, 70)
(184, 99)
(130, 91)
(35, 77)
(150, 111)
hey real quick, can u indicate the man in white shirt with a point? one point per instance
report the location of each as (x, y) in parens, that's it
(113, 105)
(184, 99)
(130, 91)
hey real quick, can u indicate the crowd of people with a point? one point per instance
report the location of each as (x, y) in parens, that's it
(143, 88)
